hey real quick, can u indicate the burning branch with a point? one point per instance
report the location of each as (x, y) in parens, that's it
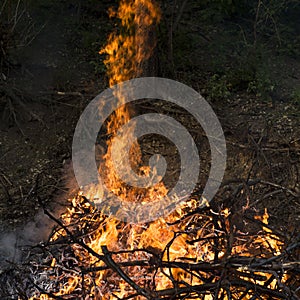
(205, 255)
(236, 268)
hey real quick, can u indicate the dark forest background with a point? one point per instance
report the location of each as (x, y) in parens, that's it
(230, 45)
(242, 56)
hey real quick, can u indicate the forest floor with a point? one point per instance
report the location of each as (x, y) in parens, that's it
(56, 80)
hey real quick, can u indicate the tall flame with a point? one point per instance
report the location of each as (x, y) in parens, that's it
(127, 50)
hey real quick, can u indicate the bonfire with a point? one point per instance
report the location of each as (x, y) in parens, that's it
(196, 252)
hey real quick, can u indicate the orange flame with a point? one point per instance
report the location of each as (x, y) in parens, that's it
(126, 51)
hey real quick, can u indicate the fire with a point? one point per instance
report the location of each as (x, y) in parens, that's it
(126, 51)
(177, 240)
(173, 241)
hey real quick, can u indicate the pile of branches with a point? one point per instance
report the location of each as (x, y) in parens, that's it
(65, 267)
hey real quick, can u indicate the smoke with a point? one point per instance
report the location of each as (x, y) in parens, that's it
(14, 245)
(8, 248)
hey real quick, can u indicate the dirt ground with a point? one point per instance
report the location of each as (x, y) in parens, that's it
(55, 82)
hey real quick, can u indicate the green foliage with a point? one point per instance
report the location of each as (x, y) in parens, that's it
(219, 87)
(296, 96)
(252, 72)
(252, 78)
(246, 41)
(261, 85)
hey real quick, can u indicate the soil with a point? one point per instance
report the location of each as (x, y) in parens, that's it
(56, 81)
